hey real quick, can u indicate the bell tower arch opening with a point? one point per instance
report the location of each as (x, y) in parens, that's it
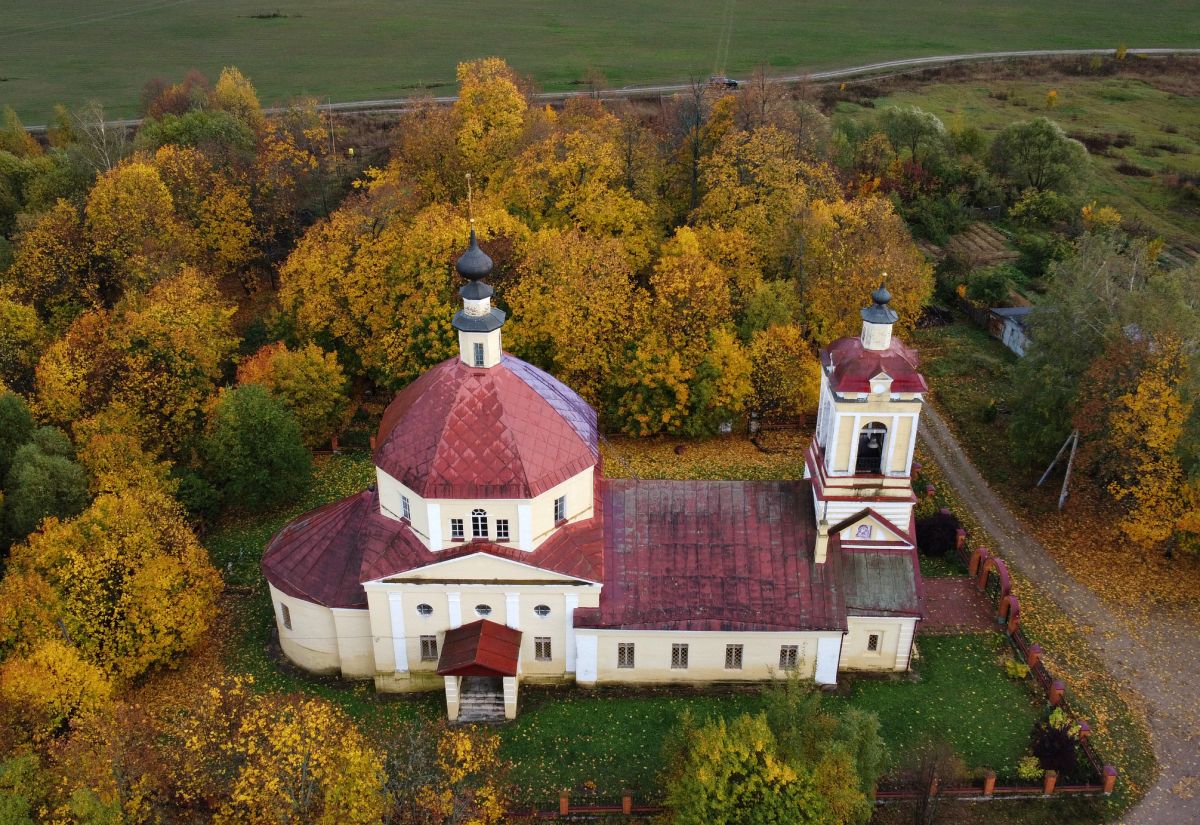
(872, 439)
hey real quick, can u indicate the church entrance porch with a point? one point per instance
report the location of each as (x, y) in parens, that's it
(479, 664)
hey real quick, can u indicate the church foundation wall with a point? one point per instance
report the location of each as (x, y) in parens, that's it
(312, 640)
(354, 643)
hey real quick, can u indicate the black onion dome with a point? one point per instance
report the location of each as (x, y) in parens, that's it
(474, 264)
(879, 312)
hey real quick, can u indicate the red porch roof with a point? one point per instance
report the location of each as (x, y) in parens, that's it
(480, 648)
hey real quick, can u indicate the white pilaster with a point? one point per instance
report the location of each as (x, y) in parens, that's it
(829, 652)
(454, 608)
(399, 646)
(586, 648)
(854, 445)
(912, 445)
(434, 513)
(904, 645)
(525, 527)
(512, 610)
(570, 602)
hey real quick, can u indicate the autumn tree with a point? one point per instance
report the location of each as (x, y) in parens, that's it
(651, 392)
(21, 340)
(50, 266)
(919, 132)
(49, 686)
(438, 773)
(236, 95)
(133, 585)
(730, 772)
(310, 383)
(1145, 429)
(1038, 154)
(490, 113)
(302, 760)
(16, 426)
(848, 247)
(574, 287)
(134, 231)
(252, 449)
(786, 373)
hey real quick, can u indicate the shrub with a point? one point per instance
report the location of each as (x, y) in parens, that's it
(989, 287)
(1015, 669)
(1054, 742)
(16, 424)
(252, 449)
(937, 534)
(1029, 769)
(41, 485)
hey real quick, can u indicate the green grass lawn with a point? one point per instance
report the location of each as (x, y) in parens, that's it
(74, 50)
(1164, 128)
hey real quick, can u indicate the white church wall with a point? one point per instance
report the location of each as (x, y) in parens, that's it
(355, 651)
(706, 655)
(530, 521)
(311, 641)
(895, 638)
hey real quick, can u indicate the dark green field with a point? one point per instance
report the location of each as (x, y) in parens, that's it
(72, 50)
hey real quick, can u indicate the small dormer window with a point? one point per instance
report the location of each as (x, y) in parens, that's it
(405, 508)
(560, 509)
(478, 349)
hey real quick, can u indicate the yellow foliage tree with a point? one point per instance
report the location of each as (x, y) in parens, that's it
(490, 111)
(467, 787)
(67, 370)
(51, 685)
(575, 289)
(134, 586)
(50, 263)
(235, 94)
(691, 292)
(131, 219)
(303, 760)
(1144, 431)
(226, 232)
(29, 609)
(652, 393)
(786, 373)
(309, 381)
(21, 341)
(848, 246)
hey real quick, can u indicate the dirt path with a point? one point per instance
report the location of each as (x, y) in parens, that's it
(1154, 656)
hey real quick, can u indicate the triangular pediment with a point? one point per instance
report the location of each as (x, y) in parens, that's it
(484, 568)
(868, 527)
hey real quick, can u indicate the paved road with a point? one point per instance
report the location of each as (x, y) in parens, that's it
(402, 104)
(1154, 657)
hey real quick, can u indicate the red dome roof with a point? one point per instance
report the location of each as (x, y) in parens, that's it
(509, 431)
(851, 366)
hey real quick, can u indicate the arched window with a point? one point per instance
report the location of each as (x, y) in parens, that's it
(870, 449)
(479, 528)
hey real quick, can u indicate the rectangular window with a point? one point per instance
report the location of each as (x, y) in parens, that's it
(541, 648)
(287, 615)
(625, 654)
(405, 509)
(501, 529)
(560, 509)
(479, 355)
(429, 648)
(873, 643)
(456, 529)
(787, 656)
(679, 654)
(733, 657)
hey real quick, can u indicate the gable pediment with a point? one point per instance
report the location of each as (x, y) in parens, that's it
(482, 568)
(868, 526)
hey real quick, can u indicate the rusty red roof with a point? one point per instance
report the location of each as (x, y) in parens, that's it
(480, 648)
(508, 431)
(851, 366)
(714, 555)
(325, 555)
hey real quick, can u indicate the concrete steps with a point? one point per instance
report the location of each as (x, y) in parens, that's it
(481, 707)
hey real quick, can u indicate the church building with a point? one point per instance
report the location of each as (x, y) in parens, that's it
(492, 550)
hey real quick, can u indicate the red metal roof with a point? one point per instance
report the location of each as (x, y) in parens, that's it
(851, 366)
(509, 431)
(714, 555)
(480, 648)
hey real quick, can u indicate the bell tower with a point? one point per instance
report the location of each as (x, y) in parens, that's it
(860, 461)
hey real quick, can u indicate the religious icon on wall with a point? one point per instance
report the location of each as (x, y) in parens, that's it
(863, 531)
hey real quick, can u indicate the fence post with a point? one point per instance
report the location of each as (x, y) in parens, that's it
(564, 804)
(372, 443)
(930, 490)
(1049, 780)
(1035, 656)
(1110, 779)
(933, 786)
(627, 803)
(1056, 692)
(1085, 730)
(960, 539)
(989, 783)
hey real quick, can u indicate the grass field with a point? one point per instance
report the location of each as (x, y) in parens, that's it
(1161, 129)
(73, 50)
